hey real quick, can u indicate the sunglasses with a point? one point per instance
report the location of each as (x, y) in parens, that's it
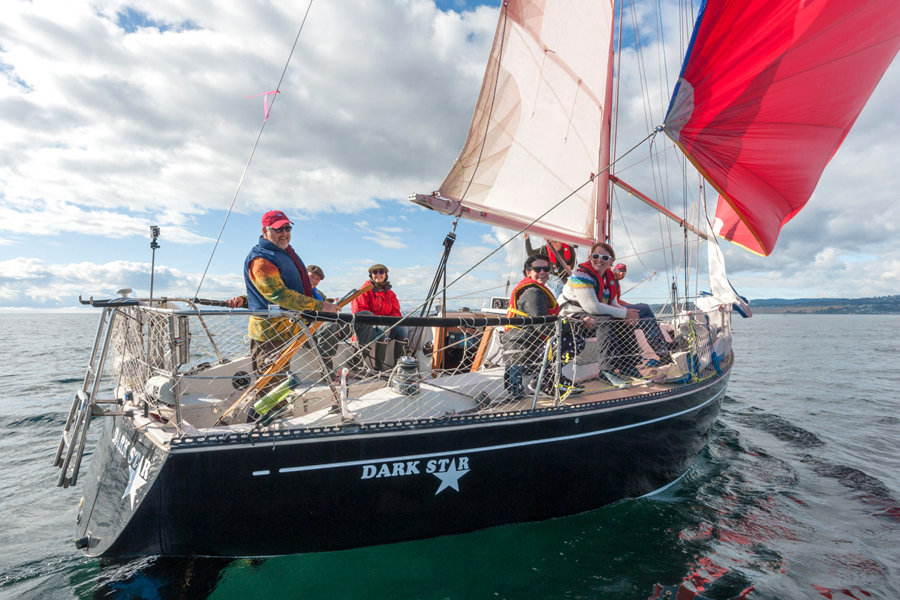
(541, 269)
(378, 272)
(601, 256)
(286, 228)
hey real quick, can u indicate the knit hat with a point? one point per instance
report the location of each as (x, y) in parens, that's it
(378, 267)
(317, 270)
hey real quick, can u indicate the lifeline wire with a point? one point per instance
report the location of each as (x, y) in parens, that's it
(253, 151)
(548, 211)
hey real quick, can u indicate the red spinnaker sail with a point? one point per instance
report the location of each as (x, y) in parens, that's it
(768, 92)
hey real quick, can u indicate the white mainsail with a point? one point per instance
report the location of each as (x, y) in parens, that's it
(541, 125)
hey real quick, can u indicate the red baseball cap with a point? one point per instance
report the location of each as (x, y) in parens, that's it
(275, 219)
(620, 267)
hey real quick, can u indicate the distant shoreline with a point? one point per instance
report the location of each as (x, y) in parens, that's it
(811, 311)
(882, 305)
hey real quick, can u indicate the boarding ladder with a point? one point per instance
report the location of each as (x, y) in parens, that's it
(84, 406)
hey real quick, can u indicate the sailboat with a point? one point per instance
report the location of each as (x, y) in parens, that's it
(438, 443)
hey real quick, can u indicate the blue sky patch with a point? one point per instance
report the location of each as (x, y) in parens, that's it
(461, 5)
(9, 72)
(131, 20)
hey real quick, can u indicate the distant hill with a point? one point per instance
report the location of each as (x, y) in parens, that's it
(881, 305)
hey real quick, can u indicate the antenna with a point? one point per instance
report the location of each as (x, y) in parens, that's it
(154, 234)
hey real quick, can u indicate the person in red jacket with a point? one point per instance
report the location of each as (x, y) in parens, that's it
(380, 300)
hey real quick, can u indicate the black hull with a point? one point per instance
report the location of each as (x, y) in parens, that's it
(378, 485)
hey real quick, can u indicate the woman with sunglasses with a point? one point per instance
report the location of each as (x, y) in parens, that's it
(522, 346)
(590, 296)
(562, 261)
(381, 301)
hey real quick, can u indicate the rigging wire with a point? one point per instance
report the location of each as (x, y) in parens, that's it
(618, 84)
(661, 53)
(675, 263)
(253, 150)
(643, 252)
(593, 176)
(641, 282)
(642, 69)
(664, 150)
(701, 218)
(625, 227)
(614, 137)
(465, 296)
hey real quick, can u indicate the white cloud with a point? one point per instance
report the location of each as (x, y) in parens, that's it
(108, 123)
(105, 132)
(55, 218)
(28, 281)
(386, 241)
(386, 237)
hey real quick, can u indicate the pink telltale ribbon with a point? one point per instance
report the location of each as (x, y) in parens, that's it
(265, 96)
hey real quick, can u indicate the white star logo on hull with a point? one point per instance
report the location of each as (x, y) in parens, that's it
(450, 477)
(135, 482)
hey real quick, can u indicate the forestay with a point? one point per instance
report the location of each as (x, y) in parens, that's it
(768, 92)
(541, 125)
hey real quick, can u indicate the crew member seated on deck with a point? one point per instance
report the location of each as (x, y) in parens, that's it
(646, 318)
(275, 275)
(380, 300)
(590, 296)
(522, 346)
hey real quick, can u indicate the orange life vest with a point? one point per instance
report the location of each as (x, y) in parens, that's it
(521, 287)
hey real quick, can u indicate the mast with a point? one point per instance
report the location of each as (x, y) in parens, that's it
(602, 187)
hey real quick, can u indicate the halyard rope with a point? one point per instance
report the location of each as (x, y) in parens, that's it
(253, 151)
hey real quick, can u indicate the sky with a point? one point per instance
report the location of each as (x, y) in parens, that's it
(115, 116)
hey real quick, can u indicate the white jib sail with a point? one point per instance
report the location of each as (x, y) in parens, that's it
(541, 125)
(723, 292)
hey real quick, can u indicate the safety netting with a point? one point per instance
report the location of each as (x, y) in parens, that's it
(206, 370)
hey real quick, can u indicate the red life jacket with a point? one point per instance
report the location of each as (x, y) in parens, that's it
(567, 253)
(521, 287)
(617, 288)
(607, 286)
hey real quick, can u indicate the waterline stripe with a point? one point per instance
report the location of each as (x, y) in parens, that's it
(667, 486)
(357, 463)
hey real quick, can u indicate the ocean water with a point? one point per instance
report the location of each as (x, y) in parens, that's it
(796, 495)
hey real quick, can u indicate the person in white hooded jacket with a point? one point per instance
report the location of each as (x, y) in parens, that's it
(589, 296)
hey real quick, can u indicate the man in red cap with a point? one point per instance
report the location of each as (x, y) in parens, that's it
(275, 275)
